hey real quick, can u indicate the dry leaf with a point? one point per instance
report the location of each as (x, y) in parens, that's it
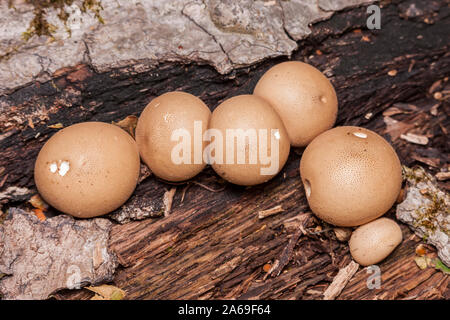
(37, 202)
(128, 124)
(395, 128)
(392, 111)
(421, 262)
(40, 214)
(434, 109)
(107, 292)
(56, 126)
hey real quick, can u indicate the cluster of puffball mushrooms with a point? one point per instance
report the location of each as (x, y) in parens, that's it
(351, 175)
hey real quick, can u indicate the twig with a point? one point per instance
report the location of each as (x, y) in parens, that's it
(168, 199)
(183, 193)
(270, 212)
(279, 264)
(208, 188)
(340, 281)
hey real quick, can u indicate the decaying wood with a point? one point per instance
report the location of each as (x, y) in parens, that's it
(280, 263)
(38, 258)
(340, 281)
(213, 245)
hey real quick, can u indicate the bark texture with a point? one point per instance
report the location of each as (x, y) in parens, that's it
(38, 258)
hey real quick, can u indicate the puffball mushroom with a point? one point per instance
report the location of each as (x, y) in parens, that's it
(303, 97)
(249, 143)
(169, 134)
(88, 169)
(374, 241)
(351, 176)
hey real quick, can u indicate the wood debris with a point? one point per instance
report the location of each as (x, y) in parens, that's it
(392, 73)
(340, 281)
(144, 173)
(415, 138)
(107, 292)
(168, 199)
(432, 162)
(270, 212)
(139, 208)
(285, 257)
(342, 234)
(396, 128)
(443, 176)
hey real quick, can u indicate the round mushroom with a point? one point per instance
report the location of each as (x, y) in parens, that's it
(374, 241)
(249, 144)
(303, 97)
(169, 134)
(351, 176)
(88, 169)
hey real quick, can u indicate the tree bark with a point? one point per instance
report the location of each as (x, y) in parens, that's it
(212, 244)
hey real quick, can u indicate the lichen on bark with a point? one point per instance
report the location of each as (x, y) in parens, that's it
(426, 210)
(40, 26)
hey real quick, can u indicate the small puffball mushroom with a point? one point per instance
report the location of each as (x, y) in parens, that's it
(253, 138)
(374, 241)
(88, 169)
(351, 176)
(169, 134)
(303, 97)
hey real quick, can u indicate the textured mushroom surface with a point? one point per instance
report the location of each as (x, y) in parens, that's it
(87, 169)
(38, 258)
(303, 97)
(253, 138)
(351, 176)
(169, 134)
(374, 241)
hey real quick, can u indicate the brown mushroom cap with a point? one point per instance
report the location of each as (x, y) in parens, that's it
(351, 176)
(303, 97)
(160, 118)
(249, 112)
(374, 241)
(88, 169)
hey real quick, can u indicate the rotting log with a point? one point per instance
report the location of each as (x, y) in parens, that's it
(212, 245)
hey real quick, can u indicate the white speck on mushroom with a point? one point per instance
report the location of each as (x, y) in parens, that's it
(277, 135)
(360, 135)
(63, 168)
(53, 167)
